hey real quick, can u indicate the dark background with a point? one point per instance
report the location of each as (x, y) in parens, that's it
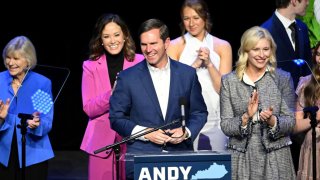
(61, 32)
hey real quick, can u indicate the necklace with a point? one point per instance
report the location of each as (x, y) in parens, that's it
(16, 82)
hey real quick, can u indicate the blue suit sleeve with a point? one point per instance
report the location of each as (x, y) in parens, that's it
(120, 105)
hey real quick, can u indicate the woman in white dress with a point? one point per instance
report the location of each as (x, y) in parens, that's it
(212, 57)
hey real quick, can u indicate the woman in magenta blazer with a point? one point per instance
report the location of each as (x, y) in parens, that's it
(112, 50)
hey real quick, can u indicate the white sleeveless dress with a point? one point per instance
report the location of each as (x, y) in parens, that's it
(212, 128)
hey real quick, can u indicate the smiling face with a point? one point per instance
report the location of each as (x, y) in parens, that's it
(112, 38)
(154, 48)
(193, 23)
(258, 56)
(16, 64)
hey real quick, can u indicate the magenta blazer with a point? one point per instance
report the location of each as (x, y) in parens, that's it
(96, 92)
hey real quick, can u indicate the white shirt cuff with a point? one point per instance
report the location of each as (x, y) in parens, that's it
(139, 129)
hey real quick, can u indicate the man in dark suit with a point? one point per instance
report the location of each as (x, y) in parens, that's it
(147, 96)
(290, 47)
(292, 43)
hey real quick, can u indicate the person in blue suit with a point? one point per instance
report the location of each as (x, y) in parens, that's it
(147, 96)
(290, 48)
(18, 84)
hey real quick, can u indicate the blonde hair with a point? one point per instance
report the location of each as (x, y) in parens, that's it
(249, 40)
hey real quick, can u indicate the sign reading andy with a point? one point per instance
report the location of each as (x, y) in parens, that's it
(193, 165)
(164, 173)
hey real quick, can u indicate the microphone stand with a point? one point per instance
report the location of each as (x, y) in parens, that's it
(116, 146)
(24, 117)
(312, 111)
(23, 130)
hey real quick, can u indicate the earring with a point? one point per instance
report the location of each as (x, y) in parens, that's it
(101, 44)
(124, 40)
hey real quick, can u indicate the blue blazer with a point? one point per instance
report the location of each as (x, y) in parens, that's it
(285, 53)
(134, 102)
(38, 147)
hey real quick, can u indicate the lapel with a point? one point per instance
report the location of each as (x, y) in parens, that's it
(146, 80)
(126, 64)
(173, 90)
(299, 37)
(9, 80)
(102, 70)
(281, 35)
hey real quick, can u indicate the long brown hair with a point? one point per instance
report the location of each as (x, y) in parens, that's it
(312, 90)
(201, 8)
(96, 49)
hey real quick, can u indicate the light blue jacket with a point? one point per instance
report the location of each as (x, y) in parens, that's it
(38, 147)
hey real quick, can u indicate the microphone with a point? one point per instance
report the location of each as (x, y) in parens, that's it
(25, 116)
(310, 110)
(182, 102)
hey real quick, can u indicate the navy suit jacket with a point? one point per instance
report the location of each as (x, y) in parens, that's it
(134, 102)
(285, 53)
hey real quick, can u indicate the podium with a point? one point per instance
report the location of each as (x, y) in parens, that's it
(181, 165)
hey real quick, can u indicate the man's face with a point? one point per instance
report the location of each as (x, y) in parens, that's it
(154, 48)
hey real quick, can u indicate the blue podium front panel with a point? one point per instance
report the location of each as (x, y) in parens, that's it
(182, 165)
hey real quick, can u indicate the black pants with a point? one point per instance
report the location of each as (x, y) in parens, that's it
(37, 171)
(13, 171)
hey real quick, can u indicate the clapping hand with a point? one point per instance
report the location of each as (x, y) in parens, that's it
(266, 116)
(4, 109)
(204, 55)
(35, 122)
(203, 58)
(253, 103)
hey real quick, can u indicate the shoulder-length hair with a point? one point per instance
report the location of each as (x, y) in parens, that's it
(23, 46)
(312, 90)
(95, 45)
(249, 40)
(201, 8)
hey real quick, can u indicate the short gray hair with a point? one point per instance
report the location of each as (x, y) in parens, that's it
(24, 47)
